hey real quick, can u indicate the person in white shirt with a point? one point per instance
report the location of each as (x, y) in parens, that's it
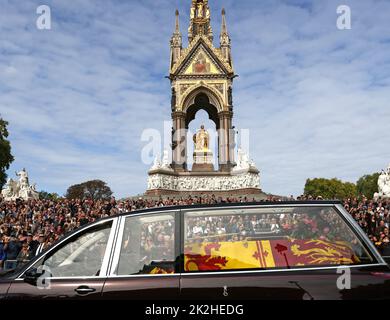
(41, 246)
(220, 229)
(197, 230)
(275, 226)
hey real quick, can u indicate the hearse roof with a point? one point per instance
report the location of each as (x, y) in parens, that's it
(231, 205)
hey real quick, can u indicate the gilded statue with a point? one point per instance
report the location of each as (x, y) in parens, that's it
(199, 9)
(201, 140)
(207, 13)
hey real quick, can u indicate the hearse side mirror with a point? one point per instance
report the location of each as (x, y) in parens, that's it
(31, 276)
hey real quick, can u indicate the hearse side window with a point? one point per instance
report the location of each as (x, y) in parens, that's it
(148, 245)
(80, 256)
(269, 238)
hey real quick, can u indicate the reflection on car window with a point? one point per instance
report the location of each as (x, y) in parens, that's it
(81, 256)
(148, 246)
(267, 238)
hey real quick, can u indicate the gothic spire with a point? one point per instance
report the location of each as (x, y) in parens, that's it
(177, 27)
(225, 38)
(176, 41)
(224, 25)
(200, 20)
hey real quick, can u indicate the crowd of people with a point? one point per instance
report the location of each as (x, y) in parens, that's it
(374, 218)
(298, 223)
(29, 227)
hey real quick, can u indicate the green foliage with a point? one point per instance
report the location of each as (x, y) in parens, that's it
(43, 195)
(368, 185)
(6, 157)
(95, 190)
(330, 188)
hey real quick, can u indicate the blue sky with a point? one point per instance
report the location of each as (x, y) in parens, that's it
(78, 97)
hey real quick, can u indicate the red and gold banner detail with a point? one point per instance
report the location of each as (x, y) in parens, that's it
(158, 270)
(285, 253)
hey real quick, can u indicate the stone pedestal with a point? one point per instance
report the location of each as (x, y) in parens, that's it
(203, 161)
(243, 179)
(170, 183)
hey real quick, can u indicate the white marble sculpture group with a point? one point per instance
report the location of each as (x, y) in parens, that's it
(243, 177)
(19, 189)
(244, 164)
(163, 164)
(383, 185)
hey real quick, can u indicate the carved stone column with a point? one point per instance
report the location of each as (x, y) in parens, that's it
(179, 142)
(232, 140)
(226, 142)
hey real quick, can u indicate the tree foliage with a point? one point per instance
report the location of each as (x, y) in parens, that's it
(95, 190)
(6, 157)
(43, 195)
(330, 188)
(368, 185)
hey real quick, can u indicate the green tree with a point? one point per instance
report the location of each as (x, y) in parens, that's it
(6, 157)
(368, 185)
(330, 188)
(95, 190)
(43, 195)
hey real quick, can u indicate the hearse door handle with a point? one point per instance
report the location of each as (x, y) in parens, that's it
(84, 290)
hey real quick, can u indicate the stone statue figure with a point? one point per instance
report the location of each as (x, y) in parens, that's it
(201, 140)
(23, 179)
(207, 13)
(165, 161)
(230, 96)
(199, 9)
(173, 100)
(20, 189)
(163, 164)
(192, 14)
(9, 189)
(243, 162)
(383, 185)
(166, 164)
(190, 29)
(156, 163)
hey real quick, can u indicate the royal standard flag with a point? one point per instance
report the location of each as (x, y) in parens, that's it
(261, 254)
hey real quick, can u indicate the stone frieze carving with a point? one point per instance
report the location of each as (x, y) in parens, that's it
(161, 181)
